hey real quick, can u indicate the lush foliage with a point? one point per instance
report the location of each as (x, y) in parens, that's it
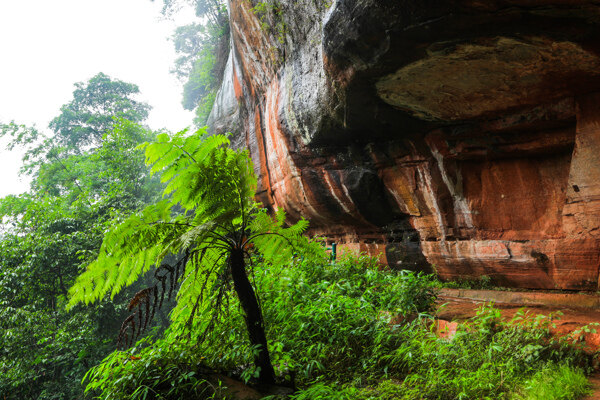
(209, 222)
(305, 341)
(338, 328)
(353, 331)
(164, 371)
(78, 189)
(555, 382)
(487, 359)
(332, 321)
(90, 115)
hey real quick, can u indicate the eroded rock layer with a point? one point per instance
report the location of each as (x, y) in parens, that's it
(459, 134)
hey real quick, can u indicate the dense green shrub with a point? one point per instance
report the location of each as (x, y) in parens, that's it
(163, 371)
(487, 359)
(333, 320)
(351, 330)
(324, 321)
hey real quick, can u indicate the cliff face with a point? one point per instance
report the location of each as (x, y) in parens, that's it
(464, 134)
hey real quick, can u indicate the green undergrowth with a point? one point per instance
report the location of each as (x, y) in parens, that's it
(555, 382)
(351, 330)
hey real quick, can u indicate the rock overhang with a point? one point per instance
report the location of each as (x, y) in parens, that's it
(489, 96)
(477, 79)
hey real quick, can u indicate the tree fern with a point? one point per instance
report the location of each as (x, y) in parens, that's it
(209, 223)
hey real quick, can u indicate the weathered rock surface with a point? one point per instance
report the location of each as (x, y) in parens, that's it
(463, 134)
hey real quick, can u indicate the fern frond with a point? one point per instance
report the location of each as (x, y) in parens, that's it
(277, 244)
(207, 212)
(200, 280)
(127, 251)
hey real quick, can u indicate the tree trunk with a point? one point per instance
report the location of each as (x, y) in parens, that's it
(252, 316)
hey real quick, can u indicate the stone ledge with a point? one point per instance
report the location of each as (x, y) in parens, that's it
(559, 300)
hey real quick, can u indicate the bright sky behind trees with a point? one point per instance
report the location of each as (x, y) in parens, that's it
(47, 46)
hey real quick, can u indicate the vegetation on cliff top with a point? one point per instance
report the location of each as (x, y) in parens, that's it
(203, 48)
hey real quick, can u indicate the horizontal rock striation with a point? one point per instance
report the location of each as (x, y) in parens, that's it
(459, 134)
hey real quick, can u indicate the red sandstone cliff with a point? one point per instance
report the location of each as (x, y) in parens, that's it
(464, 134)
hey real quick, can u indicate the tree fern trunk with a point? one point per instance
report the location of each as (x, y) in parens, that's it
(252, 316)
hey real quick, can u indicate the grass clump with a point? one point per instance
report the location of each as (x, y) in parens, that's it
(555, 382)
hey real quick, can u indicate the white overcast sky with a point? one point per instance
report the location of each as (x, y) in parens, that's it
(46, 46)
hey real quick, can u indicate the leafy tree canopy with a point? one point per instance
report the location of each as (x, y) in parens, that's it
(79, 188)
(213, 10)
(90, 115)
(202, 50)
